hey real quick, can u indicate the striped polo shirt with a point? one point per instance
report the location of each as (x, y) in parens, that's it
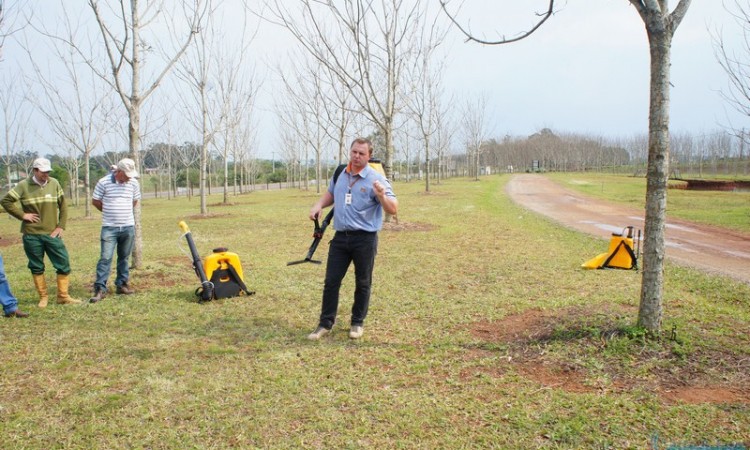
(117, 200)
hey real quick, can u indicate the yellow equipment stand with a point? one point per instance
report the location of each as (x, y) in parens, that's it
(620, 255)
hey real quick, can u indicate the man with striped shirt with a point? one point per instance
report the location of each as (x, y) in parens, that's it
(116, 195)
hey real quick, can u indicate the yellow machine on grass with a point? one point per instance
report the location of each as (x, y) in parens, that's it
(621, 253)
(220, 272)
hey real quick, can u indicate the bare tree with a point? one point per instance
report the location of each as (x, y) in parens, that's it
(474, 127)
(292, 127)
(338, 109)
(187, 154)
(11, 21)
(405, 142)
(229, 143)
(302, 109)
(365, 44)
(122, 36)
(443, 138)
(426, 93)
(238, 93)
(214, 77)
(734, 61)
(288, 147)
(660, 27)
(242, 146)
(15, 118)
(318, 120)
(81, 114)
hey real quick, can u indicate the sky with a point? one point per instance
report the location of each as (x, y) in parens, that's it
(586, 70)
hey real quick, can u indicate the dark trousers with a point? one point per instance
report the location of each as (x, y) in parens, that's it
(36, 245)
(345, 248)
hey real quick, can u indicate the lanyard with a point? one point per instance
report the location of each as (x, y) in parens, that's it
(352, 183)
(348, 196)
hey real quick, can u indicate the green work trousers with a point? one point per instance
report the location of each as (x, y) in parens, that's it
(36, 245)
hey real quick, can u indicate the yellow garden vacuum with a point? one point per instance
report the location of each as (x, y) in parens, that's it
(621, 253)
(220, 273)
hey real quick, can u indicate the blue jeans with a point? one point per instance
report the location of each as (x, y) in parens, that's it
(9, 302)
(121, 238)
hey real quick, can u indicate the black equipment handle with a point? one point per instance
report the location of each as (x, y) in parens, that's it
(317, 236)
(206, 291)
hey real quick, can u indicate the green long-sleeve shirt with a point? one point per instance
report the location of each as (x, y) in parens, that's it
(47, 201)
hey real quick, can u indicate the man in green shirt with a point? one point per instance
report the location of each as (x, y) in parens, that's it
(39, 203)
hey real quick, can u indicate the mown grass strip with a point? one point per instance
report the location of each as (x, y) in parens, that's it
(440, 365)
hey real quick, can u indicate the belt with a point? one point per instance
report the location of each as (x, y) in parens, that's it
(355, 232)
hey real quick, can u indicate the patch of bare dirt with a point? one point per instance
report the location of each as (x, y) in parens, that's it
(174, 261)
(153, 279)
(8, 241)
(524, 327)
(696, 394)
(566, 376)
(692, 380)
(179, 270)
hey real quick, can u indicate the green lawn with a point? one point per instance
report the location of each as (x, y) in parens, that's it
(483, 332)
(726, 209)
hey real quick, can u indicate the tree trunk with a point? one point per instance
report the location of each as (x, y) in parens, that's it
(204, 157)
(650, 311)
(226, 177)
(426, 164)
(135, 142)
(87, 181)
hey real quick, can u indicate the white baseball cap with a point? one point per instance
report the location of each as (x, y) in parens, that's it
(42, 164)
(127, 165)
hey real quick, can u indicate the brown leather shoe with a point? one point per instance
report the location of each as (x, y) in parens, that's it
(17, 313)
(99, 294)
(124, 290)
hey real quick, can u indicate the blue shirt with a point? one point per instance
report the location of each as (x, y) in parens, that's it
(365, 212)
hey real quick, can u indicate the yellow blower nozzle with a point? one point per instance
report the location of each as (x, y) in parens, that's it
(183, 226)
(595, 262)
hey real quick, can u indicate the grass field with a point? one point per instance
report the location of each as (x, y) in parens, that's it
(483, 332)
(726, 209)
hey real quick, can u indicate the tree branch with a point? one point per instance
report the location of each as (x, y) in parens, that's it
(471, 38)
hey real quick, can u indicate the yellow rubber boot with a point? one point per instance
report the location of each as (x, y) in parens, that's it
(41, 288)
(63, 282)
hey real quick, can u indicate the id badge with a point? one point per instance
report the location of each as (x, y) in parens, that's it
(348, 198)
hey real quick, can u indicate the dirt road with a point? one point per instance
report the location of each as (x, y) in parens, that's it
(710, 249)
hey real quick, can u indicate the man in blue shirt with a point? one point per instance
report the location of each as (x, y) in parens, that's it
(360, 196)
